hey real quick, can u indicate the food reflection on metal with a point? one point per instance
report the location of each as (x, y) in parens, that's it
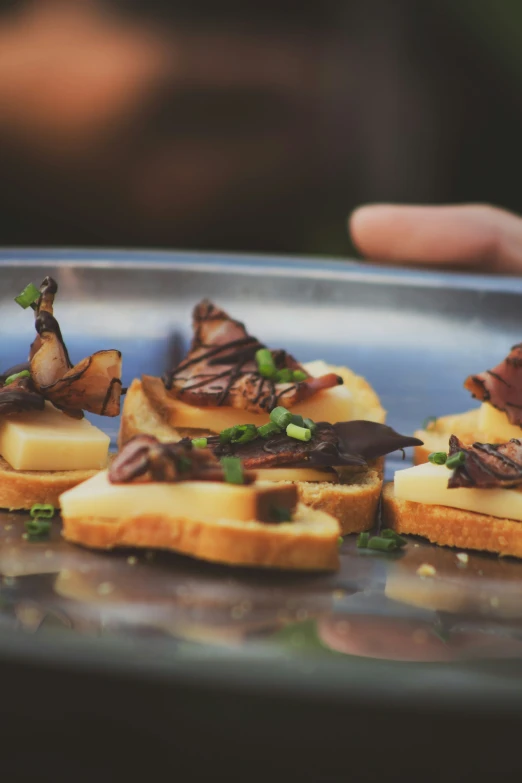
(33, 617)
(460, 583)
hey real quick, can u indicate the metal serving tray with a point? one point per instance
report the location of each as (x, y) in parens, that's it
(212, 652)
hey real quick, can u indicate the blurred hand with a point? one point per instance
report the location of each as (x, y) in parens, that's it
(472, 236)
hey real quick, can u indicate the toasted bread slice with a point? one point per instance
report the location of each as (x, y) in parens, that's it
(149, 409)
(21, 489)
(452, 527)
(353, 503)
(309, 542)
(436, 437)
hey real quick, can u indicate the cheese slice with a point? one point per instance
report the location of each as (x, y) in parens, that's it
(50, 440)
(495, 425)
(197, 500)
(331, 405)
(428, 484)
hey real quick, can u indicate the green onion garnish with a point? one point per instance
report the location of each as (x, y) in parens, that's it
(299, 433)
(382, 544)
(281, 417)
(280, 514)
(340, 541)
(225, 436)
(265, 363)
(200, 443)
(311, 425)
(16, 375)
(28, 296)
(299, 375)
(298, 420)
(428, 421)
(284, 375)
(393, 536)
(362, 540)
(42, 511)
(233, 470)
(268, 429)
(37, 529)
(244, 433)
(456, 459)
(438, 457)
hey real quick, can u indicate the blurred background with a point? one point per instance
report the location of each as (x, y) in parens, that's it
(250, 126)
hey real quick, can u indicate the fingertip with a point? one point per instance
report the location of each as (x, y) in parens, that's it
(364, 221)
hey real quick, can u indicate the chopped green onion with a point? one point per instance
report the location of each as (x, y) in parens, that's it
(456, 459)
(311, 425)
(265, 363)
(268, 429)
(225, 436)
(42, 511)
(298, 420)
(233, 470)
(28, 296)
(281, 417)
(299, 433)
(382, 544)
(200, 443)
(244, 433)
(16, 375)
(393, 536)
(362, 540)
(37, 528)
(280, 514)
(340, 541)
(428, 421)
(438, 457)
(284, 375)
(299, 375)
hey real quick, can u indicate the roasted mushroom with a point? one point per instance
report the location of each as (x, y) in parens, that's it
(220, 368)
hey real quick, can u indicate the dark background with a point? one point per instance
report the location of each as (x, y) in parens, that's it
(250, 126)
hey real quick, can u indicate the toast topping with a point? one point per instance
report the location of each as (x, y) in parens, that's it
(502, 386)
(486, 465)
(221, 368)
(350, 443)
(145, 459)
(18, 396)
(92, 385)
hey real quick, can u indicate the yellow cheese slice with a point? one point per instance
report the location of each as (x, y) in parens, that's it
(331, 405)
(429, 484)
(50, 440)
(209, 501)
(495, 426)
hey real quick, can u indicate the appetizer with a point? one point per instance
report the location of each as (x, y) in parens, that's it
(478, 505)
(333, 466)
(229, 378)
(46, 444)
(498, 419)
(182, 498)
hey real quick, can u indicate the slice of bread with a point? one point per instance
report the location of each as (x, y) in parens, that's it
(436, 436)
(309, 542)
(21, 489)
(452, 527)
(148, 408)
(353, 503)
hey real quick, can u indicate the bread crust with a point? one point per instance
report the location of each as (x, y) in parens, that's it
(451, 526)
(21, 489)
(436, 437)
(310, 542)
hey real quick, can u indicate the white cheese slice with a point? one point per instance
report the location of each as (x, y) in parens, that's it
(331, 405)
(495, 426)
(50, 440)
(429, 484)
(210, 501)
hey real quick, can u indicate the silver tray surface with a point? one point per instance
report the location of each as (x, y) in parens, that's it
(373, 625)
